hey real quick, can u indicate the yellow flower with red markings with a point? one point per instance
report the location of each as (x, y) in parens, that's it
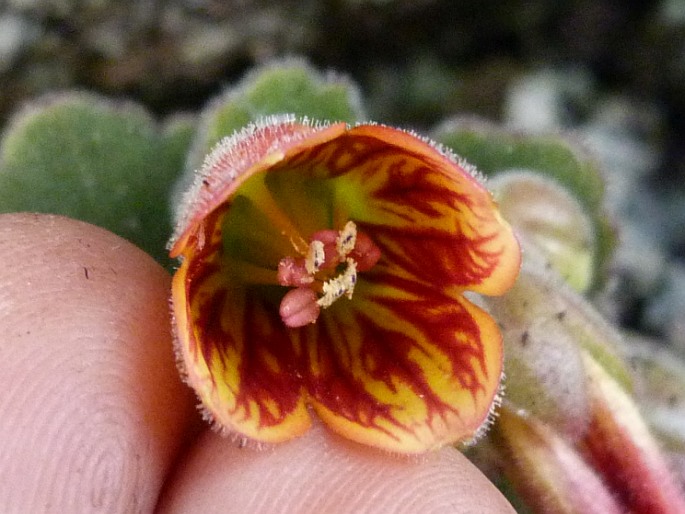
(323, 268)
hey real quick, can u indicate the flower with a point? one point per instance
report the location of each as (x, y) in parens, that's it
(324, 267)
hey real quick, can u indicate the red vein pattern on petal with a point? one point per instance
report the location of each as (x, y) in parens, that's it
(235, 351)
(237, 158)
(424, 205)
(408, 364)
(403, 367)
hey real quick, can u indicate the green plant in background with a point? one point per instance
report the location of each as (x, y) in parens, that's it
(95, 159)
(567, 173)
(290, 86)
(589, 416)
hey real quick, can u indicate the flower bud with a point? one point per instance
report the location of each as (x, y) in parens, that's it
(550, 223)
(548, 474)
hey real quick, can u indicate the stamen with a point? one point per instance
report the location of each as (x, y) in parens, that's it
(316, 256)
(293, 272)
(318, 273)
(263, 197)
(347, 239)
(251, 273)
(328, 237)
(339, 285)
(350, 277)
(366, 254)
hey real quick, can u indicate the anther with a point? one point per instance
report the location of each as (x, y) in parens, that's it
(339, 285)
(346, 240)
(315, 258)
(326, 271)
(328, 237)
(293, 272)
(365, 253)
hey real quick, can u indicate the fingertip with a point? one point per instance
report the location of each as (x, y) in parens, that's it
(93, 411)
(321, 472)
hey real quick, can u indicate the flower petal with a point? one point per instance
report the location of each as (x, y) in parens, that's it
(233, 348)
(404, 366)
(619, 445)
(546, 471)
(235, 159)
(442, 221)
(380, 176)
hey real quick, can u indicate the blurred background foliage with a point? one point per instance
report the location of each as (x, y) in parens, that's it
(416, 59)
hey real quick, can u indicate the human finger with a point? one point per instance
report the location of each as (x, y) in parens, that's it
(321, 472)
(92, 410)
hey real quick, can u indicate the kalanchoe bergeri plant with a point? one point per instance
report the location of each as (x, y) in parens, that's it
(323, 269)
(324, 266)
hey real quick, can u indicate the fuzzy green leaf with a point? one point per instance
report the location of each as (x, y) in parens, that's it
(95, 160)
(288, 86)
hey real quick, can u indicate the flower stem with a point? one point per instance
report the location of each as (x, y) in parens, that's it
(251, 273)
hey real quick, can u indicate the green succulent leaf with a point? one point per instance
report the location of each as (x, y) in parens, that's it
(660, 390)
(104, 162)
(285, 86)
(550, 224)
(546, 327)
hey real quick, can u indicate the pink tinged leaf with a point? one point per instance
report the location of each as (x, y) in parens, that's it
(621, 448)
(548, 474)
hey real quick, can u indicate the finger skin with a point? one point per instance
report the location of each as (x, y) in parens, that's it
(321, 473)
(92, 410)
